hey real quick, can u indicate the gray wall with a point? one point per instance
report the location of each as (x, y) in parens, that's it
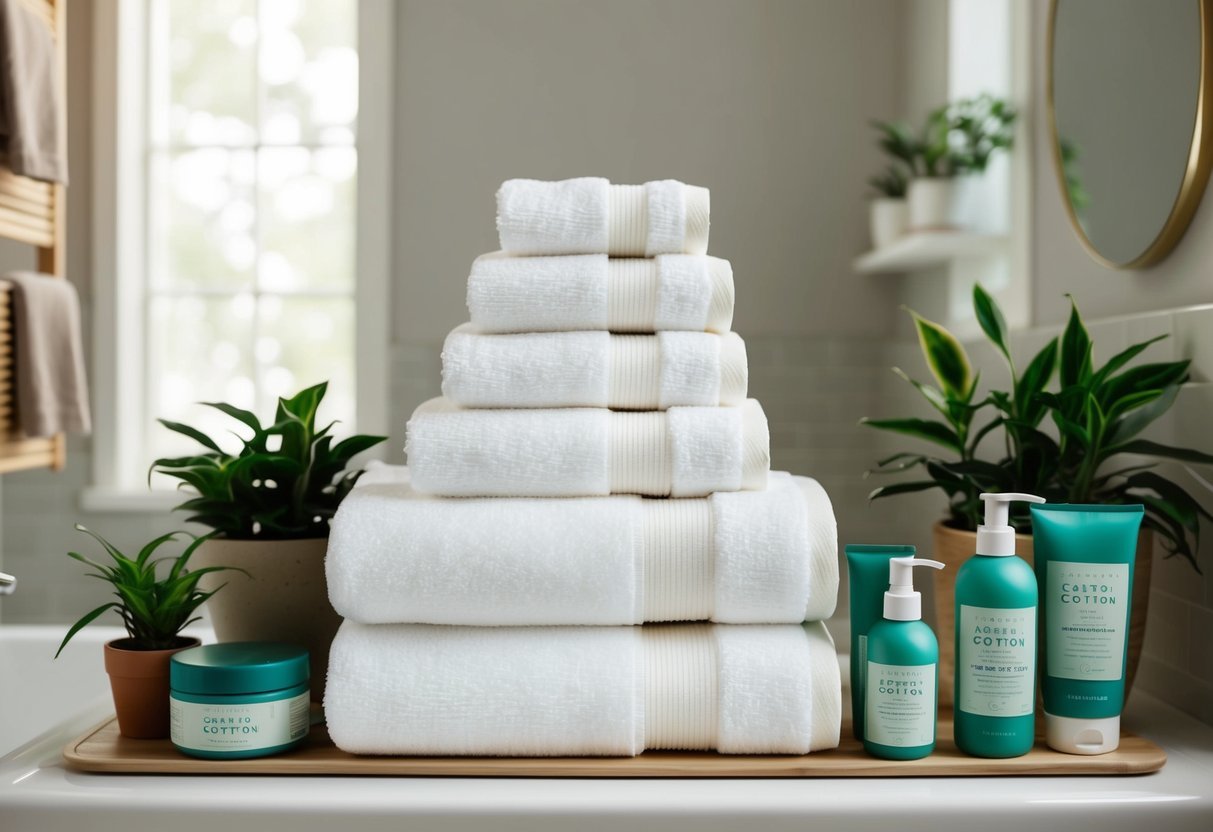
(765, 102)
(1061, 265)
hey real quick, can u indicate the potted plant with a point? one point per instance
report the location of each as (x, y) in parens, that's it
(270, 504)
(1078, 443)
(888, 218)
(958, 140)
(154, 611)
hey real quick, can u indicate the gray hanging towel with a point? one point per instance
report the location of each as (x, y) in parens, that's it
(52, 389)
(33, 124)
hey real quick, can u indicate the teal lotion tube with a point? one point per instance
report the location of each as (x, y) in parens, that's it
(901, 702)
(1084, 563)
(868, 574)
(239, 700)
(996, 612)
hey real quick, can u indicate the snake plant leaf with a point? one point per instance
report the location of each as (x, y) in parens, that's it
(1032, 383)
(901, 488)
(1075, 350)
(1186, 505)
(1122, 358)
(1138, 419)
(989, 317)
(239, 414)
(931, 394)
(1144, 377)
(936, 432)
(946, 357)
(1070, 428)
(193, 433)
(1146, 447)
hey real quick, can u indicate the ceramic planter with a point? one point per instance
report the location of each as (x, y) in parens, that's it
(283, 598)
(932, 204)
(139, 683)
(953, 547)
(889, 218)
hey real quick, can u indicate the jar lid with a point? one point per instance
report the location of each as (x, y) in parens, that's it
(239, 667)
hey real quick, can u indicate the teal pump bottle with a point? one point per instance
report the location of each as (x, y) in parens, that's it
(996, 614)
(900, 704)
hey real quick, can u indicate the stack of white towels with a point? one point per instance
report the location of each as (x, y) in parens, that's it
(594, 464)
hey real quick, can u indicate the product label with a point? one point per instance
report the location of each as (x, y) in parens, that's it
(1086, 613)
(997, 648)
(209, 727)
(900, 709)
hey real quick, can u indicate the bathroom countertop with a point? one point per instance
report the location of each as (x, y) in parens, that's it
(38, 793)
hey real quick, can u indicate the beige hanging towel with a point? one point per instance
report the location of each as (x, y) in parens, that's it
(52, 389)
(33, 132)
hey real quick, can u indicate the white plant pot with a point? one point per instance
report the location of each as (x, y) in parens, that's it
(889, 218)
(934, 204)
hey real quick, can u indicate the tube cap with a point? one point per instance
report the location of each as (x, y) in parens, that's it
(1073, 735)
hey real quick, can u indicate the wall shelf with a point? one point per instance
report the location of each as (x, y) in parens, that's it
(929, 249)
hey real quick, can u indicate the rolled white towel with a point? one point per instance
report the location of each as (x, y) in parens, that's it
(591, 216)
(587, 452)
(591, 291)
(563, 691)
(593, 369)
(744, 557)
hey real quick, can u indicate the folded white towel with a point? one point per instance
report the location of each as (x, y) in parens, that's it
(591, 291)
(587, 452)
(592, 216)
(743, 557)
(554, 691)
(593, 369)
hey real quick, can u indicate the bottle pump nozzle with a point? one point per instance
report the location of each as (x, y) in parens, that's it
(996, 537)
(901, 602)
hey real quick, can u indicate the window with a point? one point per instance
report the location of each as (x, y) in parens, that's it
(236, 262)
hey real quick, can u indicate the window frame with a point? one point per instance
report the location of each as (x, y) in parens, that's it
(120, 196)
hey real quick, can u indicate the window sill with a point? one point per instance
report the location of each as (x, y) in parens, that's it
(110, 500)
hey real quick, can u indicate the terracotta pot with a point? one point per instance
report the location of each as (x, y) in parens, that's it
(283, 598)
(954, 547)
(139, 683)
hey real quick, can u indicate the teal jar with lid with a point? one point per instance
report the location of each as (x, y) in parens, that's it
(239, 700)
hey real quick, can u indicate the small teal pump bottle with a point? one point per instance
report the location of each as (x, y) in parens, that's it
(900, 703)
(996, 615)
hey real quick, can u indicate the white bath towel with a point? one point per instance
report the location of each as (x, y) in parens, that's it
(587, 452)
(591, 291)
(743, 557)
(564, 691)
(593, 369)
(592, 216)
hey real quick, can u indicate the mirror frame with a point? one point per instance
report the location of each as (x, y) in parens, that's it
(1200, 153)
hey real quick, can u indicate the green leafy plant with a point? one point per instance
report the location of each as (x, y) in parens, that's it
(1091, 453)
(286, 480)
(978, 128)
(154, 610)
(891, 183)
(957, 139)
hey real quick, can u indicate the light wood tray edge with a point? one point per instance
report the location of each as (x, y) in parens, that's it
(1136, 756)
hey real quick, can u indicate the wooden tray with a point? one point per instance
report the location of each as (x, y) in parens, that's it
(102, 749)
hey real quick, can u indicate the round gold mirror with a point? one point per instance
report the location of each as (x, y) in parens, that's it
(1131, 121)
